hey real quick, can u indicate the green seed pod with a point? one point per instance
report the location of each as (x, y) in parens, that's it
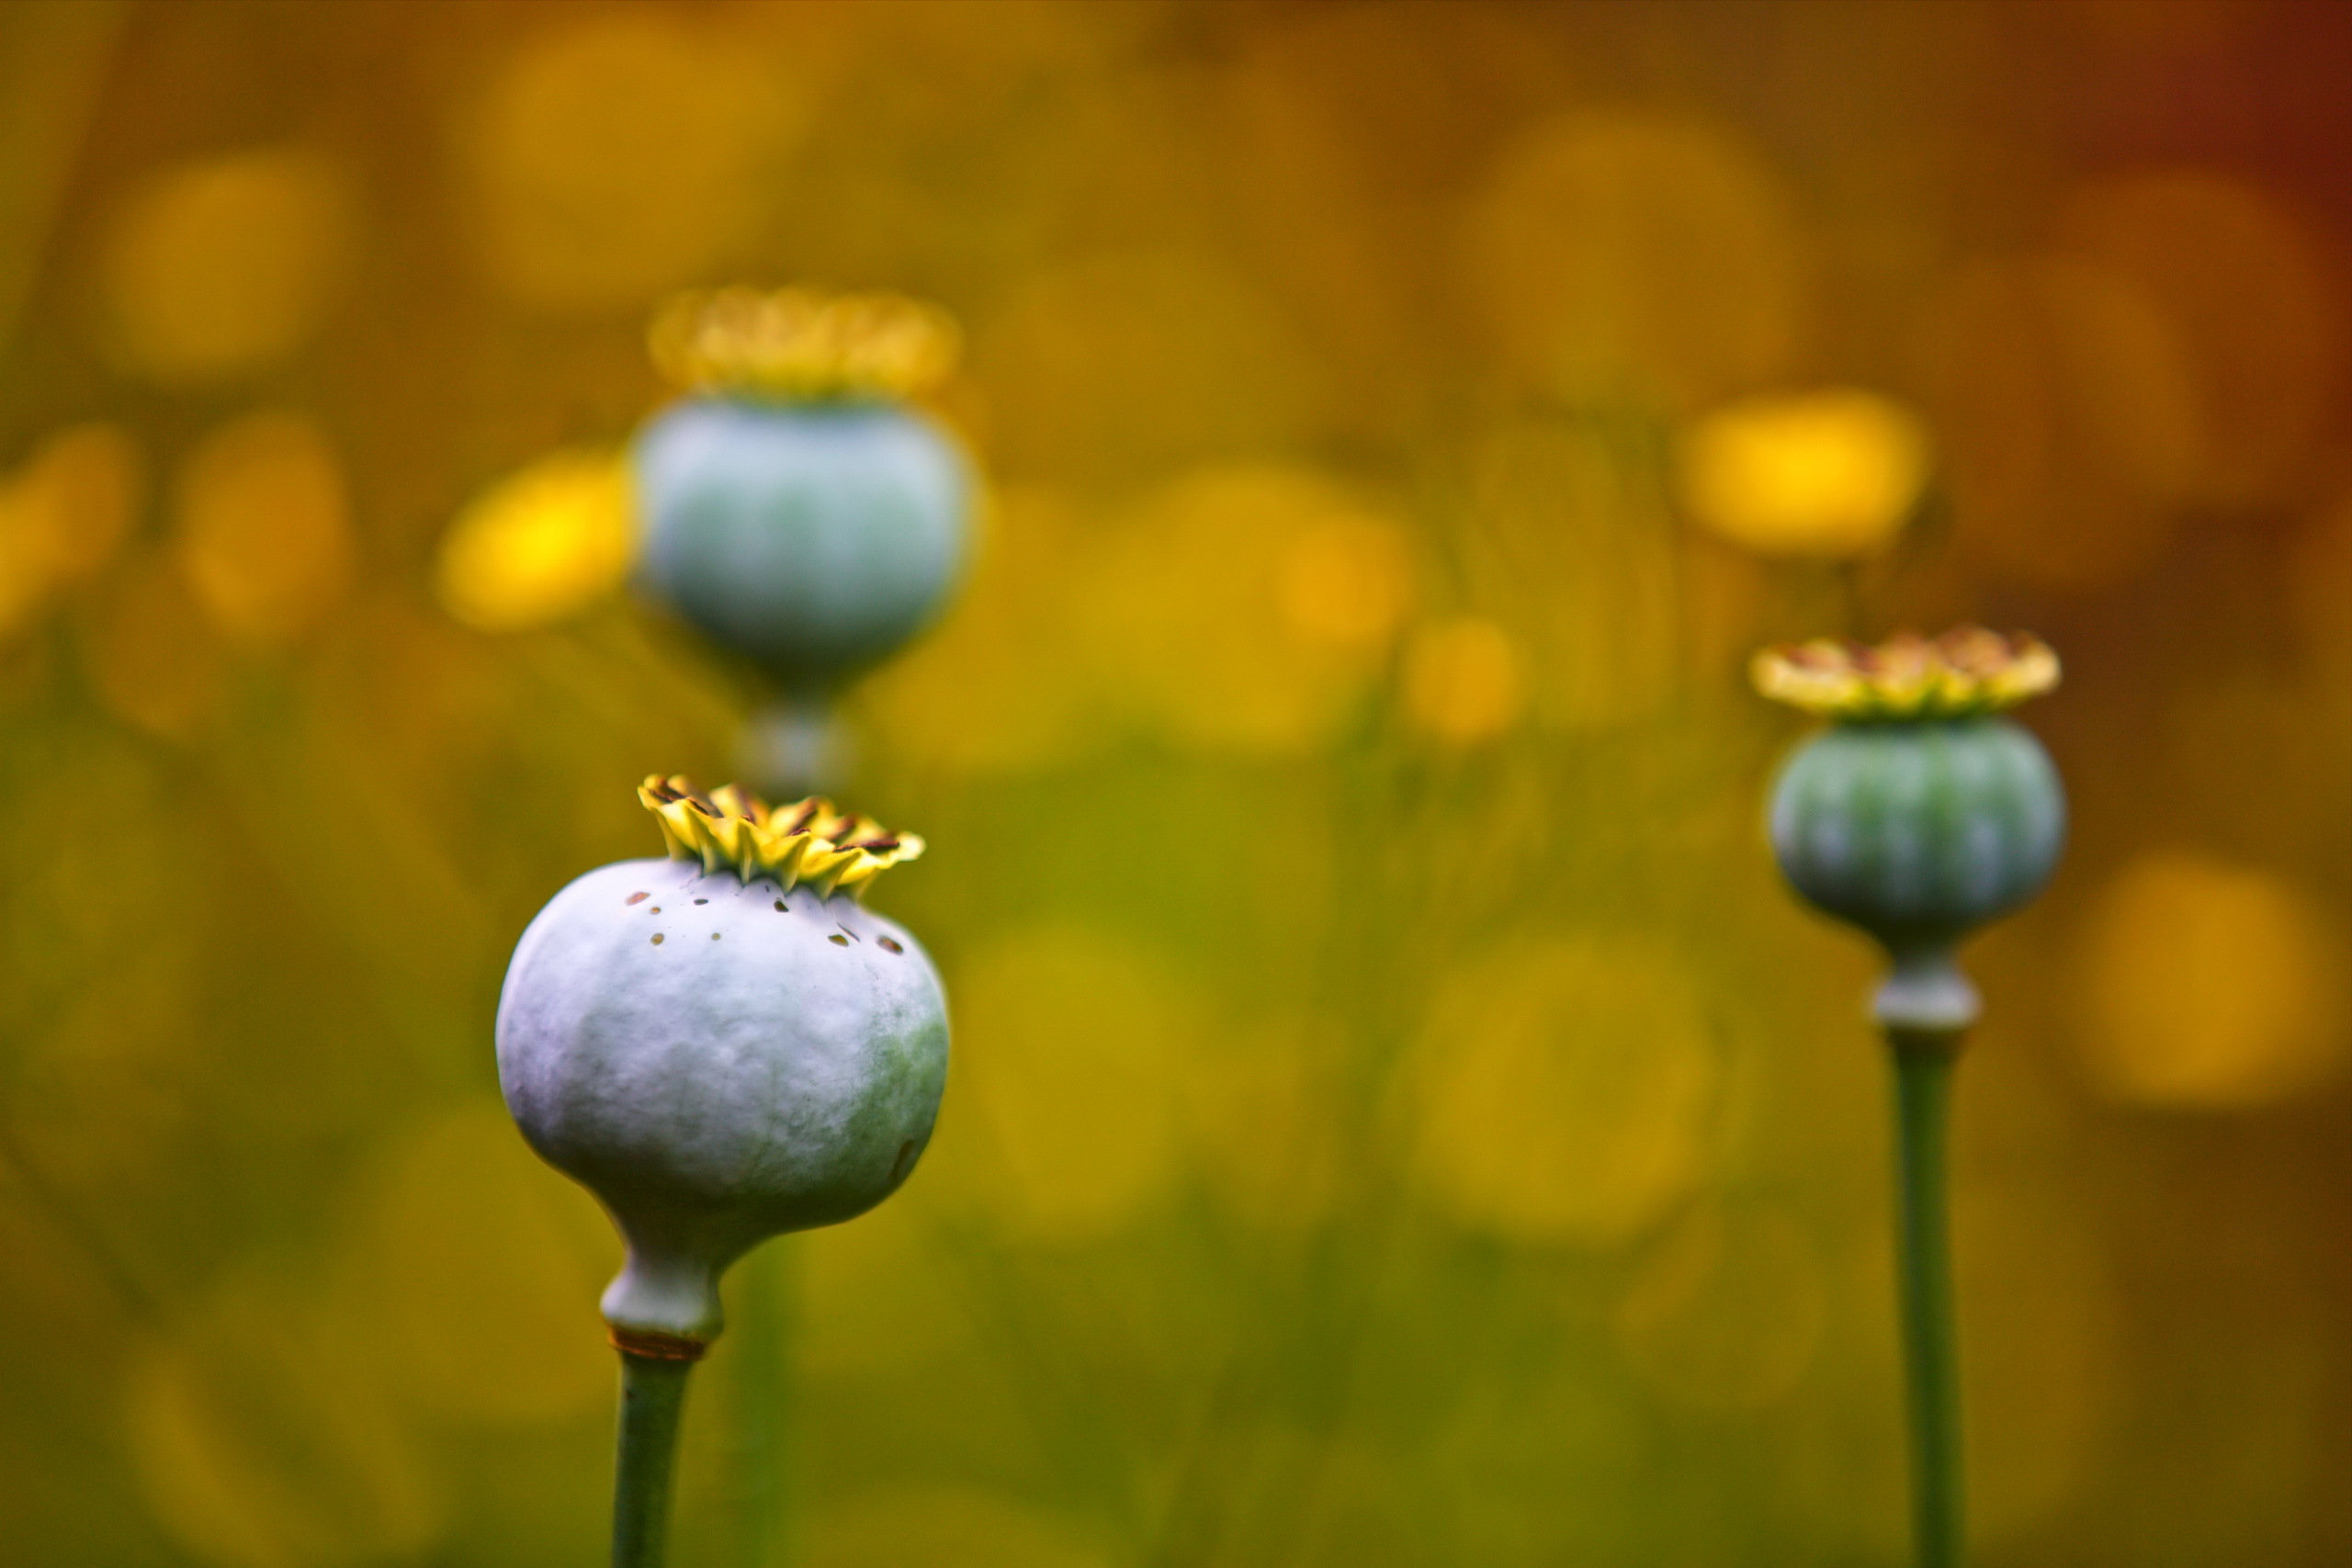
(724, 1046)
(1920, 814)
(796, 511)
(1920, 832)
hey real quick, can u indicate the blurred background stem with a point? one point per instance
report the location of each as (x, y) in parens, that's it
(1923, 1067)
(653, 1393)
(764, 1370)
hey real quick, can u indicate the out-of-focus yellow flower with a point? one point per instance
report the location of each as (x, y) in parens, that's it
(542, 544)
(225, 265)
(2208, 983)
(1966, 670)
(1563, 1085)
(264, 527)
(1831, 473)
(1347, 580)
(64, 514)
(1462, 681)
(621, 155)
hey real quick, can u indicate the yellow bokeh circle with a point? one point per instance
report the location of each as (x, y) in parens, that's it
(264, 527)
(618, 157)
(543, 544)
(2210, 985)
(225, 265)
(64, 514)
(1563, 1086)
(1462, 681)
(1833, 473)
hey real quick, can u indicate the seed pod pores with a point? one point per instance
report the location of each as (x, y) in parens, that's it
(720, 1057)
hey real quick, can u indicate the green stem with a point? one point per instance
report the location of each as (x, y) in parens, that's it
(653, 1393)
(763, 1342)
(1923, 1065)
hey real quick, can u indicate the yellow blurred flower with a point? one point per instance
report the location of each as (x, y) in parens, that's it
(1347, 580)
(264, 527)
(64, 514)
(1830, 473)
(542, 544)
(2208, 983)
(622, 154)
(224, 265)
(1462, 681)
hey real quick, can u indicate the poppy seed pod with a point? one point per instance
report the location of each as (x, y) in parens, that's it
(795, 510)
(723, 1045)
(1920, 814)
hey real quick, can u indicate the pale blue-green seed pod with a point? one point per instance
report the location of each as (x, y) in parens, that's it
(814, 538)
(1919, 831)
(719, 1059)
(1919, 814)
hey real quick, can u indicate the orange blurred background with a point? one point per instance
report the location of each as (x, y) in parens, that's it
(1397, 1116)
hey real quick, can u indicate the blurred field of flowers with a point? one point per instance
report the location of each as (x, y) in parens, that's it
(1396, 1117)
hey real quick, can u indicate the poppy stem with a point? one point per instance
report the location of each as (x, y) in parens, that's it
(653, 1394)
(1923, 1069)
(762, 1345)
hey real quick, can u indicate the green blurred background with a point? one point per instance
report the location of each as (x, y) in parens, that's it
(1398, 1117)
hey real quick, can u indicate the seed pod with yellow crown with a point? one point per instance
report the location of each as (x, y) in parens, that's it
(797, 510)
(723, 1045)
(1920, 814)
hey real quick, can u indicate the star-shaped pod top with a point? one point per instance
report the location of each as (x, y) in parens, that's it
(799, 345)
(1966, 671)
(807, 840)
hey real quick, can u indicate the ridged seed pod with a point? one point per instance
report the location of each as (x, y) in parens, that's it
(797, 510)
(1920, 814)
(723, 1045)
